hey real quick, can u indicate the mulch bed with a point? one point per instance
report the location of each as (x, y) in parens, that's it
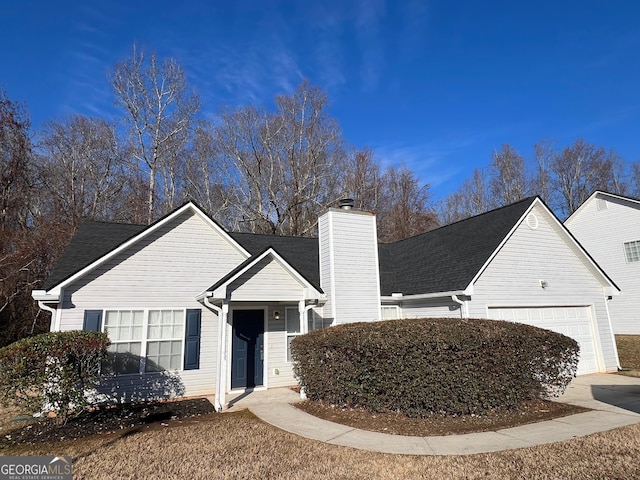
(105, 420)
(398, 424)
(128, 419)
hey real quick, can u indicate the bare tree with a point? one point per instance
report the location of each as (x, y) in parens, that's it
(404, 210)
(283, 167)
(578, 171)
(471, 198)
(160, 108)
(82, 169)
(27, 245)
(544, 153)
(363, 180)
(205, 175)
(508, 178)
(16, 168)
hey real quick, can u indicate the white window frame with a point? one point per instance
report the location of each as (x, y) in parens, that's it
(174, 338)
(115, 342)
(632, 251)
(394, 307)
(144, 341)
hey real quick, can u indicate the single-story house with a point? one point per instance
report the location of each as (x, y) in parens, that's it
(608, 226)
(217, 310)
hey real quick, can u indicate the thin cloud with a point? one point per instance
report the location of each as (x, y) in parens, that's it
(368, 19)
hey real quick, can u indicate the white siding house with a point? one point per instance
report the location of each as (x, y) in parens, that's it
(608, 226)
(194, 310)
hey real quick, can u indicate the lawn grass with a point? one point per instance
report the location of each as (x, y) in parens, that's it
(629, 354)
(238, 445)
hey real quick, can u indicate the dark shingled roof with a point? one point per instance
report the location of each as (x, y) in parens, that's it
(447, 259)
(299, 252)
(92, 241)
(442, 260)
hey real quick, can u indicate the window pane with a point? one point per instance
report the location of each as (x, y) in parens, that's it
(175, 362)
(154, 317)
(632, 251)
(293, 320)
(124, 358)
(111, 318)
(152, 349)
(164, 355)
(153, 332)
(137, 317)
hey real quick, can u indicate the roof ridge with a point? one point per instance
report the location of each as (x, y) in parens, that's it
(527, 199)
(109, 222)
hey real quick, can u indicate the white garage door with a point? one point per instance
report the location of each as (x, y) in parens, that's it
(574, 322)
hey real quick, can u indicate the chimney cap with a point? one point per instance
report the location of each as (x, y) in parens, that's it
(346, 203)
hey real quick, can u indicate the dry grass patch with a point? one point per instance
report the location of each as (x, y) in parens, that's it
(238, 445)
(629, 354)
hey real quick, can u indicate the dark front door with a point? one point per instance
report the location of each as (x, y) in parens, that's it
(247, 348)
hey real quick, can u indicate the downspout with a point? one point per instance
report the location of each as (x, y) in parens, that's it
(463, 306)
(52, 311)
(613, 337)
(222, 312)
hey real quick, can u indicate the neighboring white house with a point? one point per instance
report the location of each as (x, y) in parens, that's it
(187, 303)
(608, 227)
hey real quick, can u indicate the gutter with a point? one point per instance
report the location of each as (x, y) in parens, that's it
(43, 296)
(396, 297)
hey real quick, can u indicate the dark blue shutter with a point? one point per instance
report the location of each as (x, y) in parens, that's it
(92, 320)
(192, 340)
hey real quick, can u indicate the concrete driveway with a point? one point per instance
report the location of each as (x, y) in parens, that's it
(606, 392)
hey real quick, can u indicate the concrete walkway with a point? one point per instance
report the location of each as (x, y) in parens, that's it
(614, 399)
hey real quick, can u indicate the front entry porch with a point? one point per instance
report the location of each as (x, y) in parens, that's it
(261, 305)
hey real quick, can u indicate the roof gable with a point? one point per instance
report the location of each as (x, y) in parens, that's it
(300, 252)
(447, 259)
(629, 201)
(245, 266)
(97, 242)
(91, 241)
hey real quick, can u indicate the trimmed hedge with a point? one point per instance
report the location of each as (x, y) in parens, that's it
(52, 371)
(422, 367)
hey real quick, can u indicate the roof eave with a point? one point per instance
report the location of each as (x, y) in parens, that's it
(397, 297)
(52, 296)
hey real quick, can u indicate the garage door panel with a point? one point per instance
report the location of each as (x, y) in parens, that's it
(575, 322)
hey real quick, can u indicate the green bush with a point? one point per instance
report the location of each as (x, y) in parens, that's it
(422, 367)
(52, 371)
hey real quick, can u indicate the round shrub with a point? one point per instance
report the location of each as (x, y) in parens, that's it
(422, 367)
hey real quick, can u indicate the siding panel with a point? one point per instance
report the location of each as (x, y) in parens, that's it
(603, 232)
(167, 269)
(530, 255)
(266, 281)
(348, 242)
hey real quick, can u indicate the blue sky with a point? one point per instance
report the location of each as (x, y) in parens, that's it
(435, 84)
